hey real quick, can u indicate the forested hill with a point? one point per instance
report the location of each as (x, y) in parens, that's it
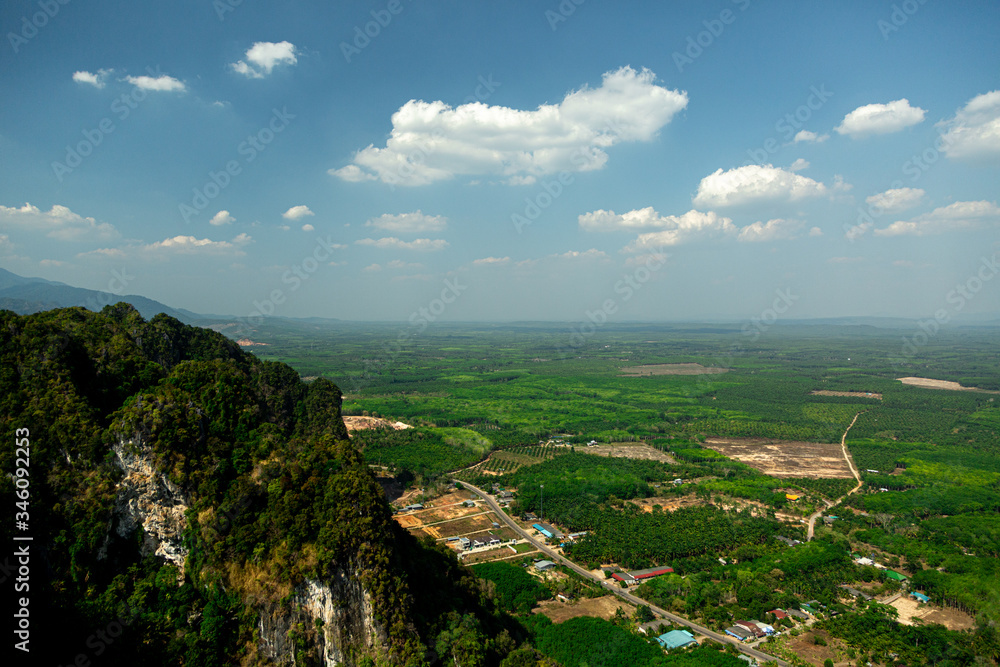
(190, 504)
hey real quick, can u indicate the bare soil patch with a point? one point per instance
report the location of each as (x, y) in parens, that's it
(804, 647)
(785, 458)
(856, 394)
(953, 619)
(602, 607)
(355, 423)
(669, 504)
(629, 451)
(671, 369)
(928, 383)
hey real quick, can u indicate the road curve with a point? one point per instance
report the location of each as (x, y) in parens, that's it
(854, 471)
(760, 656)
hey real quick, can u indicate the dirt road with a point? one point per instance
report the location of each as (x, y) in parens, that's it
(854, 471)
(760, 656)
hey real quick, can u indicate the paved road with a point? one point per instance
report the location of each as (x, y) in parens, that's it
(854, 471)
(556, 556)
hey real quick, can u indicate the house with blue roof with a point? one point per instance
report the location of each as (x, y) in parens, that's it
(676, 639)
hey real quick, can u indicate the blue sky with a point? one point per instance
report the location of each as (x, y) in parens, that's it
(573, 161)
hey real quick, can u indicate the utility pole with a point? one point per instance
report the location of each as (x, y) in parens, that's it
(541, 502)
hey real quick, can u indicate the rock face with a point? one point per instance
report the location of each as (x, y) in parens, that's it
(148, 499)
(348, 630)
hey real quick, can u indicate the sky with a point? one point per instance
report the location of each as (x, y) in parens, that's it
(573, 160)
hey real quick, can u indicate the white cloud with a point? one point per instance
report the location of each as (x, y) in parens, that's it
(51, 263)
(799, 165)
(296, 212)
(372, 267)
(880, 119)
(409, 223)
(263, 57)
(177, 245)
(222, 218)
(960, 216)
(308, 228)
(974, 132)
(896, 200)
(161, 83)
(648, 218)
(593, 253)
(491, 261)
(772, 230)
(857, 231)
(693, 225)
(810, 137)
(393, 242)
(97, 80)
(433, 141)
(400, 264)
(57, 223)
(754, 183)
(815, 231)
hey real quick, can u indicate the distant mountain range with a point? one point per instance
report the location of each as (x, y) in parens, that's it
(32, 295)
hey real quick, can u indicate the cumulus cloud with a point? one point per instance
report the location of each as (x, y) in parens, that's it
(799, 165)
(815, 231)
(674, 230)
(974, 132)
(896, 200)
(593, 253)
(755, 183)
(409, 223)
(162, 83)
(307, 227)
(810, 137)
(960, 216)
(297, 212)
(772, 230)
(491, 261)
(395, 243)
(648, 218)
(97, 80)
(176, 246)
(222, 218)
(263, 57)
(880, 119)
(433, 141)
(57, 223)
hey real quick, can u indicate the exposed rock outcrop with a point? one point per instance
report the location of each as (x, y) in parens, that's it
(347, 631)
(148, 499)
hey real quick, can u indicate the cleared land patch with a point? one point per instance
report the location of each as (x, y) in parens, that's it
(856, 394)
(785, 458)
(952, 619)
(355, 423)
(928, 383)
(602, 607)
(629, 451)
(671, 369)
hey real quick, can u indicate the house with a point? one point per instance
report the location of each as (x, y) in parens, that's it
(791, 496)
(544, 565)
(530, 516)
(492, 540)
(468, 503)
(505, 495)
(651, 627)
(465, 542)
(778, 613)
(752, 628)
(676, 639)
(542, 529)
(855, 593)
(740, 633)
(807, 608)
(414, 506)
(787, 540)
(895, 576)
(638, 576)
(920, 596)
(795, 613)
(864, 561)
